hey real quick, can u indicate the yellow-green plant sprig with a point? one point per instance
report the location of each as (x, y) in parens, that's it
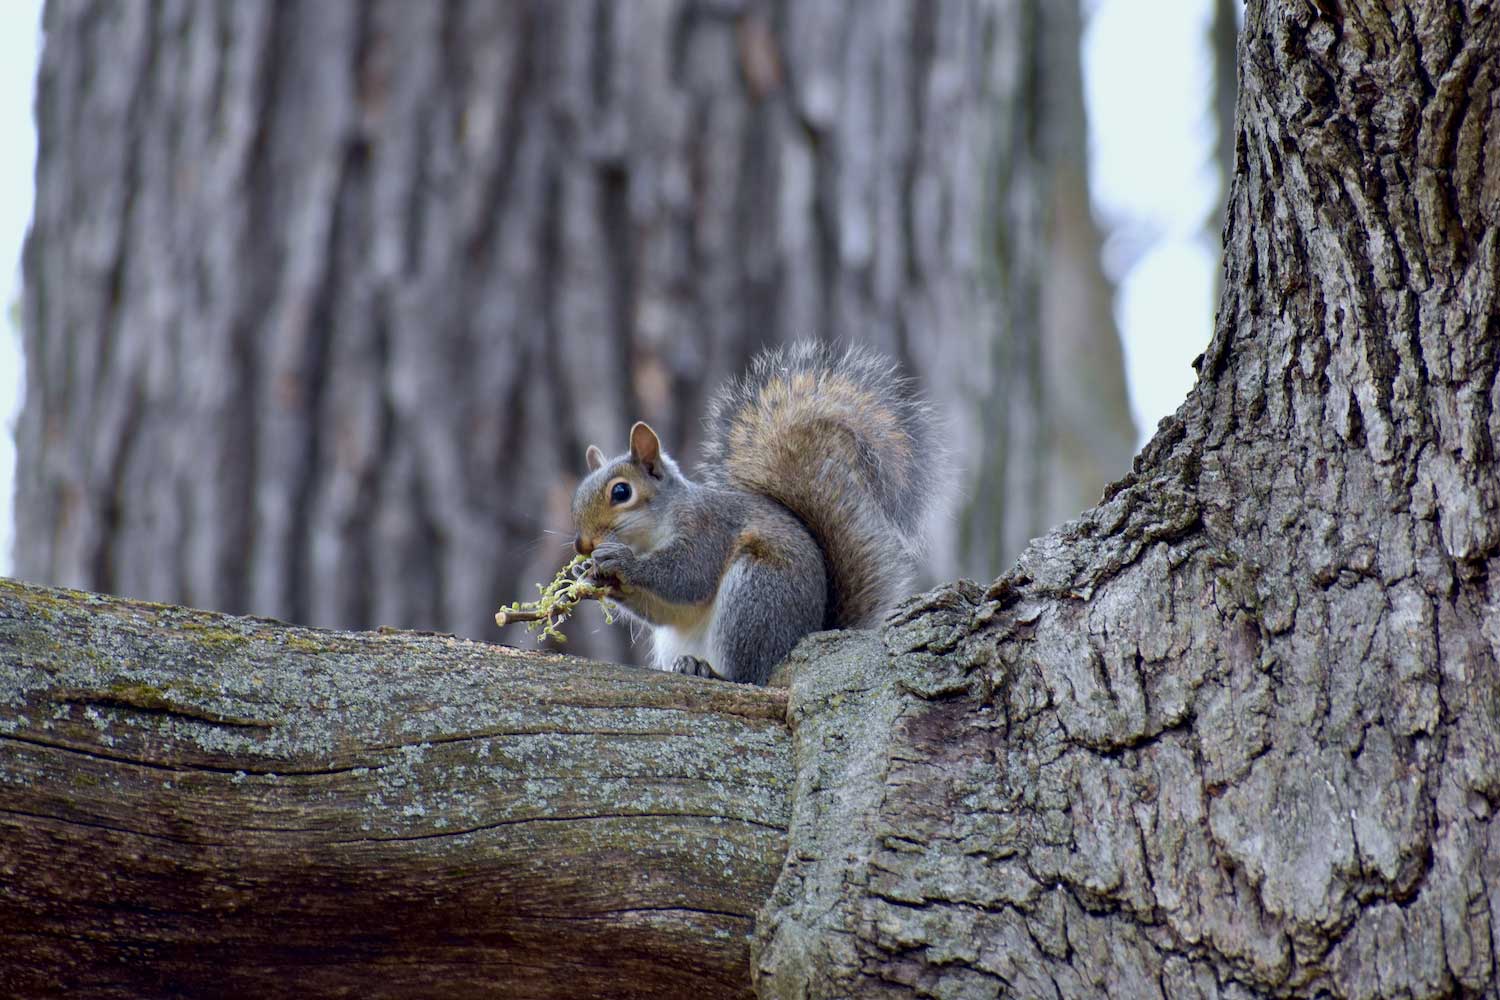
(559, 599)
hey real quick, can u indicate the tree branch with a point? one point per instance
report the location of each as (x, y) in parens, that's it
(192, 803)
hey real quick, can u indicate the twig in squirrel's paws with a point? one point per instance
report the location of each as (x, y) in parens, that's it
(559, 599)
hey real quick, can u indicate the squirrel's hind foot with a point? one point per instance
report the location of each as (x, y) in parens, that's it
(695, 667)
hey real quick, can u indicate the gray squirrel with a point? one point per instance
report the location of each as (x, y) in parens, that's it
(820, 472)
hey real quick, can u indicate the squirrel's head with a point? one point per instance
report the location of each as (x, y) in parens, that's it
(615, 498)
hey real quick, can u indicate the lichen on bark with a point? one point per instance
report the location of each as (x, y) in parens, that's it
(193, 804)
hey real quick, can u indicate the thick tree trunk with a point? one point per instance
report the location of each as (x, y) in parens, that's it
(324, 299)
(195, 805)
(1236, 731)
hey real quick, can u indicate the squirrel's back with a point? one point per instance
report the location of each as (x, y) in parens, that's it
(839, 437)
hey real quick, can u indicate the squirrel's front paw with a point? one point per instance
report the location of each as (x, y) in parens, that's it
(611, 562)
(694, 667)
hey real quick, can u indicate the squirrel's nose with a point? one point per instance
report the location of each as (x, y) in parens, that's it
(581, 547)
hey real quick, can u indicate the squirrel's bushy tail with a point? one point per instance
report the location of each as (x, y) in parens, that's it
(840, 438)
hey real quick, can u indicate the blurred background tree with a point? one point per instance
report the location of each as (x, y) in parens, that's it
(323, 301)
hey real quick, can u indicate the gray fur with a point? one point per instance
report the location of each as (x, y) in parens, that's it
(810, 521)
(686, 570)
(862, 478)
(750, 611)
(881, 378)
(764, 610)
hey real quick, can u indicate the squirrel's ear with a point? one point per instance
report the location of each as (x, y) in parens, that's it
(645, 447)
(594, 457)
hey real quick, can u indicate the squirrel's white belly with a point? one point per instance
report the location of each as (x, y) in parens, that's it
(700, 638)
(672, 641)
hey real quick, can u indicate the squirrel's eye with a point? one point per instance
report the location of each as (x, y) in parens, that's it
(619, 493)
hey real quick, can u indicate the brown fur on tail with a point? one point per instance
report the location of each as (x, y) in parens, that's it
(840, 438)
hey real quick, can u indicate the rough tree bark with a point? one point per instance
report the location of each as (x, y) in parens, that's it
(324, 300)
(195, 805)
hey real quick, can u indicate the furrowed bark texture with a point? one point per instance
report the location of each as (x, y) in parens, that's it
(197, 805)
(324, 300)
(1235, 732)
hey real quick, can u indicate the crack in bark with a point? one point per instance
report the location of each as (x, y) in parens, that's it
(43, 818)
(153, 703)
(712, 819)
(251, 770)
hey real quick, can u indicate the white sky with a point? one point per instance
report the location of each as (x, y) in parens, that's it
(1146, 82)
